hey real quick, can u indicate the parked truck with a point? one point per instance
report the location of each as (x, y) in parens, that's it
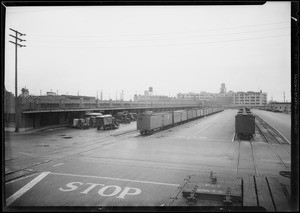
(123, 117)
(106, 122)
(80, 123)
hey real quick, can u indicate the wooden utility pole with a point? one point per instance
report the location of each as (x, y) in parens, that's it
(17, 39)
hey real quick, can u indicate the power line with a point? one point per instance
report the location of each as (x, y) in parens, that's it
(162, 33)
(169, 38)
(164, 45)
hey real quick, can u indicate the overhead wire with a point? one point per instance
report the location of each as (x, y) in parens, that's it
(170, 38)
(161, 33)
(179, 44)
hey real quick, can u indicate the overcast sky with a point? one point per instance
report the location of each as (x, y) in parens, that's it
(174, 49)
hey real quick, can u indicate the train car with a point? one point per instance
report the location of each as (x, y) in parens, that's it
(216, 109)
(194, 113)
(177, 116)
(244, 125)
(205, 111)
(209, 111)
(167, 119)
(184, 115)
(189, 114)
(147, 123)
(201, 112)
(198, 113)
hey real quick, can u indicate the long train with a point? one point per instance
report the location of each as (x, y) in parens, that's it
(149, 122)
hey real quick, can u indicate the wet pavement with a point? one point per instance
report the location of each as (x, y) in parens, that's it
(74, 167)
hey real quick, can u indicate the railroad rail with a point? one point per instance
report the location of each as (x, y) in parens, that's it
(272, 137)
(252, 157)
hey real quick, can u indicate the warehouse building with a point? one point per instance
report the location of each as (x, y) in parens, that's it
(250, 99)
(229, 99)
(280, 106)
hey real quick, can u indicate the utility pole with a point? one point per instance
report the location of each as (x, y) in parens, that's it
(17, 39)
(283, 96)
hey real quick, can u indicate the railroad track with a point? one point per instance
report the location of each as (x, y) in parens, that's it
(252, 157)
(272, 137)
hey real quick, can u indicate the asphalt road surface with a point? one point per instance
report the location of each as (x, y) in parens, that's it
(73, 167)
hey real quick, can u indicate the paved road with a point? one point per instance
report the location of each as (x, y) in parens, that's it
(107, 168)
(280, 121)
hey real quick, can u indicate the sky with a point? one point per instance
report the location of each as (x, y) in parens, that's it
(174, 49)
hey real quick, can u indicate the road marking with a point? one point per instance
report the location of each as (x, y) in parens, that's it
(20, 178)
(213, 122)
(25, 188)
(58, 164)
(110, 178)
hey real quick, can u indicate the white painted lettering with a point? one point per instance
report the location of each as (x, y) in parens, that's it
(115, 192)
(71, 186)
(126, 192)
(93, 185)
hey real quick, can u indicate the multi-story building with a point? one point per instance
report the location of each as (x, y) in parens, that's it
(229, 99)
(202, 96)
(250, 99)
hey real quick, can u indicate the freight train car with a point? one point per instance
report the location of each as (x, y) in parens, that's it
(198, 112)
(149, 122)
(244, 124)
(184, 116)
(194, 113)
(189, 114)
(178, 116)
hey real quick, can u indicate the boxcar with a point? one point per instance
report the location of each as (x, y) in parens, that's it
(209, 111)
(184, 115)
(198, 113)
(177, 116)
(194, 113)
(189, 114)
(244, 125)
(167, 119)
(149, 122)
(204, 111)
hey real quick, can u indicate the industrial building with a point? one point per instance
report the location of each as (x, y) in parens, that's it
(250, 99)
(280, 106)
(229, 99)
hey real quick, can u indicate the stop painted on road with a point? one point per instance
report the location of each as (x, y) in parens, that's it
(59, 189)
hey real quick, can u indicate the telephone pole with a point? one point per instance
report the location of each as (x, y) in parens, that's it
(17, 39)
